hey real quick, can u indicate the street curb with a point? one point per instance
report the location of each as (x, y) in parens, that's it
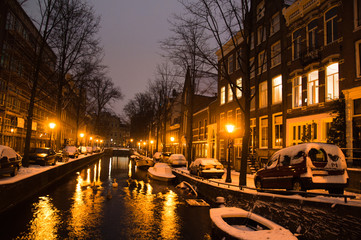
(14, 193)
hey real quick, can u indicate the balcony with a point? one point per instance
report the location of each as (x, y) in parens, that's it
(310, 56)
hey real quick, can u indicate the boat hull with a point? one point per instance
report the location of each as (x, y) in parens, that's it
(236, 223)
(160, 178)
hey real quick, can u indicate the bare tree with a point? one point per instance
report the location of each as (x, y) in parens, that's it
(230, 24)
(102, 93)
(73, 41)
(162, 90)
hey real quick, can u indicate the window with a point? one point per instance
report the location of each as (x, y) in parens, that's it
(296, 44)
(251, 42)
(238, 59)
(277, 89)
(275, 24)
(262, 62)
(252, 66)
(312, 35)
(260, 10)
(223, 95)
(331, 25)
(278, 132)
(230, 93)
(357, 13)
(358, 58)
(253, 100)
(222, 120)
(297, 92)
(332, 82)
(222, 72)
(312, 88)
(263, 94)
(264, 132)
(239, 87)
(276, 54)
(261, 34)
(238, 118)
(222, 153)
(230, 117)
(357, 106)
(230, 64)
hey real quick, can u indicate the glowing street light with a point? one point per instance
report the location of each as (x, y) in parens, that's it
(230, 129)
(52, 126)
(81, 137)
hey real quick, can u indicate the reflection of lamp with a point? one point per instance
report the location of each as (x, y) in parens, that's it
(230, 129)
(52, 126)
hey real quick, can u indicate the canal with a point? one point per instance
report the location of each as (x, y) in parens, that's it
(85, 205)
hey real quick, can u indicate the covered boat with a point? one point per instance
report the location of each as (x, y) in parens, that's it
(236, 223)
(161, 171)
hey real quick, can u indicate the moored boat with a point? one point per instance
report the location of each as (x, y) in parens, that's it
(236, 223)
(144, 162)
(161, 172)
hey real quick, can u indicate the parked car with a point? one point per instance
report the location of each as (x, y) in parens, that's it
(43, 156)
(305, 166)
(165, 156)
(83, 150)
(10, 161)
(72, 151)
(177, 160)
(89, 150)
(157, 156)
(207, 168)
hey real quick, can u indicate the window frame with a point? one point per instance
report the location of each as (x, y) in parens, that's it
(298, 88)
(333, 20)
(296, 41)
(274, 140)
(357, 14)
(263, 130)
(358, 58)
(239, 83)
(335, 81)
(223, 95)
(262, 62)
(314, 94)
(275, 23)
(276, 55)
(277, 87)
(313, 30)
(263, 95)
(230, 64)
(230, 93)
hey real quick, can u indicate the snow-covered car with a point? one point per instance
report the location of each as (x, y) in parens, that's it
(207, 168)
(89, 150)
(83, 150)
(305, 166)
(157, 156)
(177, 160)
(43, 156)
(72, 151)
(10, 161)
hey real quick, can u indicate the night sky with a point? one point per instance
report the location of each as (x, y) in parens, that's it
(130, 34)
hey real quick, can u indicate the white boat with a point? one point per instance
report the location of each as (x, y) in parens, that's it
(161, 171)
(236, 223)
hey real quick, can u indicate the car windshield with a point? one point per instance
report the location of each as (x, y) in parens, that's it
(209, 162)
(39, 150)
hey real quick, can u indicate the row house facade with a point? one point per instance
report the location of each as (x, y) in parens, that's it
(18, 40)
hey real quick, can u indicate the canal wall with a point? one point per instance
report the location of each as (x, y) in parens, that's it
(12, 194)
(315, 218)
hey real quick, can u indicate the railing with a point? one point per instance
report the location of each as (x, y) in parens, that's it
(281, 192)
(353, 157)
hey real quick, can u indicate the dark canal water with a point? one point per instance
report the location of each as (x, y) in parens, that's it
(86, 206)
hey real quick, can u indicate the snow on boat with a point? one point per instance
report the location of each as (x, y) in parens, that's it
(144, 162)
(236, 223)
(161, 172)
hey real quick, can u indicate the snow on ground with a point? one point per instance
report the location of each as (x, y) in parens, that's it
(31, 171)
(250, 183)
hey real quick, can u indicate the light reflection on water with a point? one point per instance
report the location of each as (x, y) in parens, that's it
(138, 209)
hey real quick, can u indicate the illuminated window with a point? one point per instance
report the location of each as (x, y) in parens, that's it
(297, 92)
(230, 93)
(264, 132)
(263, 94)
(239, 87)
(331, 25)
(277, 131)
(223, 95)
(312, 88)
(277, 89)
(332, 82)
(276, 54)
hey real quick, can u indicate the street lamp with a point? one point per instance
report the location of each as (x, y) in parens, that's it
(171, 145)
(52, 126)
(12, 132)
(81, 138)
(230, 129)
(151, 145)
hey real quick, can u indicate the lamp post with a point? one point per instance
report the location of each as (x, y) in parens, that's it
(12, 132)
(230, 129)
(81, 138)
(171, 145)
(145, 147)
(52, 126)
(151, 145)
